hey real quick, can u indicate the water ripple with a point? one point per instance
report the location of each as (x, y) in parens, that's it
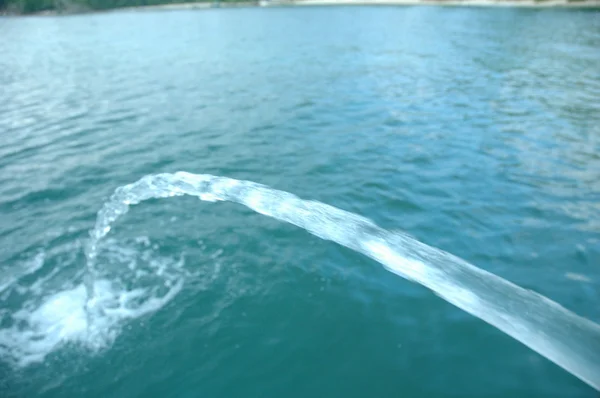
(475, 130)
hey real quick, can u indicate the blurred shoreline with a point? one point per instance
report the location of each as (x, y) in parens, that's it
(476, 3)
(283, 3)
(301, 3)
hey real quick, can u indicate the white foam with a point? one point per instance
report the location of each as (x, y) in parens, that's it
(136, 283)
(209, 197)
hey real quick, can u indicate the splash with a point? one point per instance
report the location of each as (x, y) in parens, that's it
(135, 281)
(568, 340)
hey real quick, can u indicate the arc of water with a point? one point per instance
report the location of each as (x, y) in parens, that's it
(563, 337)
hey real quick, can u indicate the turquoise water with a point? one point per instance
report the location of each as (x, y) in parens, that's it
(474, 130)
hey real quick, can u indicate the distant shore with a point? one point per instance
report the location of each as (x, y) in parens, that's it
(285, 3)
(483, 3)
(453, 3)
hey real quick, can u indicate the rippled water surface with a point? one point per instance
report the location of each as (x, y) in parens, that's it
(475, 130)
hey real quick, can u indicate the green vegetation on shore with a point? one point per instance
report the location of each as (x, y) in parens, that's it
(75, 6)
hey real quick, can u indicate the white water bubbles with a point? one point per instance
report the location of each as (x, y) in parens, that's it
(51, 311)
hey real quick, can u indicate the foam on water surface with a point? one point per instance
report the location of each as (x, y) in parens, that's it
(55, 312)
